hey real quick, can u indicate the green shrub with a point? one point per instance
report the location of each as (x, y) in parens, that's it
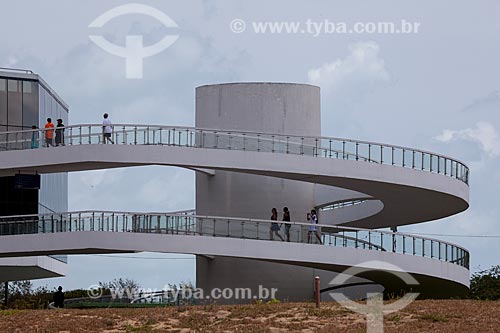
(485, 285)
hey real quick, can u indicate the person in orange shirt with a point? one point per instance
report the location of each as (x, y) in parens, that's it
(49, 133)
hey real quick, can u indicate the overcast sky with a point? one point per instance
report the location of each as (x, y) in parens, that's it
(437, 89)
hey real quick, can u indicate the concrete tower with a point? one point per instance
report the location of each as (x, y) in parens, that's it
(268, 108)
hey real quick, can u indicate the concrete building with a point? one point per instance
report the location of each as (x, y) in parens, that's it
(256, 146)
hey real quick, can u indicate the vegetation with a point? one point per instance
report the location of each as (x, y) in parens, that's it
(485, 285)
(22, 294)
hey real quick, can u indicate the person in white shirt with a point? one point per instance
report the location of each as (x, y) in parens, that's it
(107, 129)
(313, 220)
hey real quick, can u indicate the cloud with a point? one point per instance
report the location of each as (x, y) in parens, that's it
(485, 102)
(10, 62)
(354, 76)
(92, 178)
(483, 134)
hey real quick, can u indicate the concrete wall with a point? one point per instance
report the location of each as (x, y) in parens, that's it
(262, 107)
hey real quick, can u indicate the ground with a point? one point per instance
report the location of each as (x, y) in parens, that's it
(420, 316)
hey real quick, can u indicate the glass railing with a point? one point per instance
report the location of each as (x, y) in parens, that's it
(248, 141)
(342, 204)
(210, 226)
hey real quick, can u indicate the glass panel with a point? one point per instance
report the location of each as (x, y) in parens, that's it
(349, 151)
(426, 162)
(3, 113)
(396, 156)
(30, 112)
(387, 155)
(434, 163)
(374, 153)
(408, 158)
(363, 152)
(14, 107)
(3, 102)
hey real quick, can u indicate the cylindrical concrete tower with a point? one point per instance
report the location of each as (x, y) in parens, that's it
(269, 108)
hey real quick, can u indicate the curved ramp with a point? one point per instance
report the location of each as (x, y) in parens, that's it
(441, 268)
(409, 194)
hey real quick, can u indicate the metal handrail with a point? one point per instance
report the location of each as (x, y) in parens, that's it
(48, 223)
(452, 167)
(27, 71)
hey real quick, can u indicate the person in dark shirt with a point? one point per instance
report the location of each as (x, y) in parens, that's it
(59, 298)
(274, 225)
(286, 218)
(60, 133)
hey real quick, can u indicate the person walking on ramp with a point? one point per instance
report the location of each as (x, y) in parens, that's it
(286, 218)
(274, 225)
(49, 133)
(107, 129)
(313, 220)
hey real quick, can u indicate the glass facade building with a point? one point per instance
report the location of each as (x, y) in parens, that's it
(26, 100)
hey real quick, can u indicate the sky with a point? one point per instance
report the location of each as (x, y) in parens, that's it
(437, 90)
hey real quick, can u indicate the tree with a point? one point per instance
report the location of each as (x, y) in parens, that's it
(23, 296)
(120, 284)
(485, 284)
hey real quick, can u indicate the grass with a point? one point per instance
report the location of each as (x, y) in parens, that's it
(419, 316)
(436, 318)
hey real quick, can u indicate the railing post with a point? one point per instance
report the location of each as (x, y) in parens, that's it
(393, 242)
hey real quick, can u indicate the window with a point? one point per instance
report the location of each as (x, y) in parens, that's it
(14, 105)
